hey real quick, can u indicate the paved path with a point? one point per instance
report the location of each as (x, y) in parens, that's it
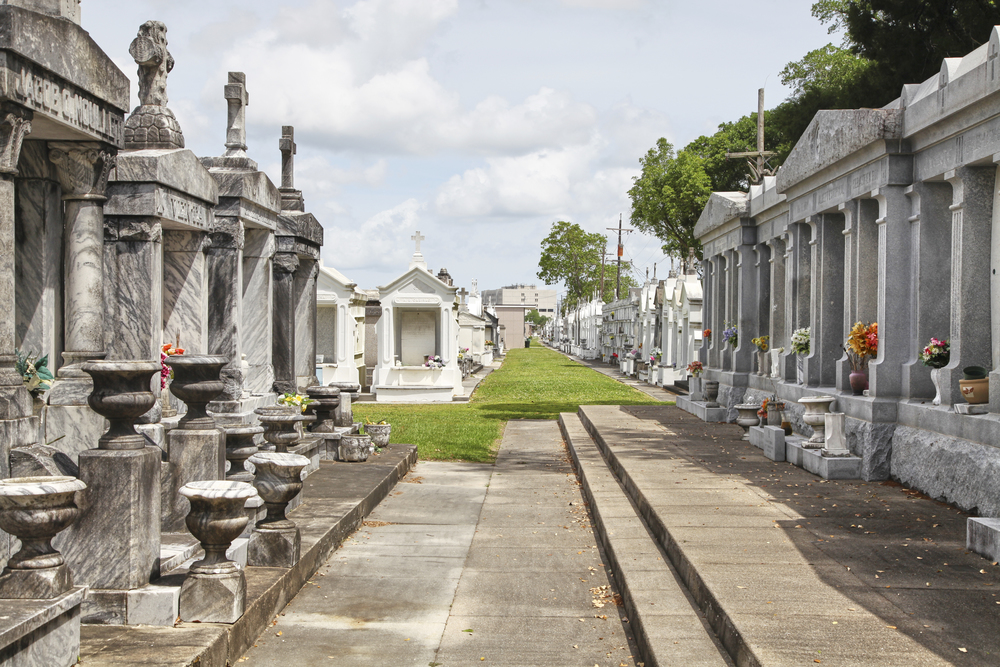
(613, 372)
(466, 564)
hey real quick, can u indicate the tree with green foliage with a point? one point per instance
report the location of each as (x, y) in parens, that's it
(536, 318)
(572, 256)
(668, 196)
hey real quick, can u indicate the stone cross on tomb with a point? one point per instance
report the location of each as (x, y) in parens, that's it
(236, 130)
(462, 293)
(761, 169)
(287, 146)
(418, 238)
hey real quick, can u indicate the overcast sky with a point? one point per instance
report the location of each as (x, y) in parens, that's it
(478, 122)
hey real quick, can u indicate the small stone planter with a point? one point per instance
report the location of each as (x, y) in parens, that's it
(34, 510)
(326, 401)
(121, 395)
(816, 408)
(240, 446)
(197, 382)
(280, 425)
(275, 541)
(747, 418)
(215, 589)
(354, 447)
(349, 392)
(711, 388)
(379, 434)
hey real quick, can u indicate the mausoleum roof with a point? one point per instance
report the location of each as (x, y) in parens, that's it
(720, 208)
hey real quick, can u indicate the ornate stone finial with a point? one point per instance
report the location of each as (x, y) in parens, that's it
(81, 168)
(689, 264)
(236, 130)
(152, 124)
(287, 146)
(14, 126)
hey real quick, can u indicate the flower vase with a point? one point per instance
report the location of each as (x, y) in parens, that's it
(761, 361)
(938, 380)
(859, 382)
(773, 415)
(800, 371)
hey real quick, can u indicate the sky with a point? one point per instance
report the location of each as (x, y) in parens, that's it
(477, 122)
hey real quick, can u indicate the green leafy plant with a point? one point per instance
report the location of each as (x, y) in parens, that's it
(34, 371)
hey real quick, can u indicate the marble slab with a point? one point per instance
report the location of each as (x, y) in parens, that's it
(416, 337)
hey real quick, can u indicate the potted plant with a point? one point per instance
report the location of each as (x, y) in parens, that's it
(379, 431)
(936, 354)
(762, 343)
(696, 368)
(862, 345)
(800, 346)
(975, 385)
(34, 372)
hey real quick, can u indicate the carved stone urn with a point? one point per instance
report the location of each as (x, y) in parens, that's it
(215, 590)
(121, 395)
(240, 446)
(275, 540)
(280, 425)
(216, 519)
(34, 510)
(349, 392)
(711, 389)
(747, 418)
(816, 407)
(379, 434)
(277, 480)
(354, 447)
(326, 401)
(197, 383)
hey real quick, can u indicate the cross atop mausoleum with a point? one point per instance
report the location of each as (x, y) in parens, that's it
(418, 259)
(287, 146)
(236, 130)
(462, 293)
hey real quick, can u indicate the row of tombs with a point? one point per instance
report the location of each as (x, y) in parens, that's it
(114, 238)
(861, 279)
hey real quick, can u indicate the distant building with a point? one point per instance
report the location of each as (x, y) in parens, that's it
(526, 296)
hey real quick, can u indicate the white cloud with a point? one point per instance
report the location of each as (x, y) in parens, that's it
(381, 243)
(606, 4)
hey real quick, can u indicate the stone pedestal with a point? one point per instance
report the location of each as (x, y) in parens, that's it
(275, 541)
(116, 541)
(835, 439)
(193, 455)
(43, 633)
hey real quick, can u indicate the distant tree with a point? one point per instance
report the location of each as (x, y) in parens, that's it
(572, 256)
(669, 195)
(536, 318)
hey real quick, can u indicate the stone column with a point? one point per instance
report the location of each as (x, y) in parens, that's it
(826, 300)
(788, 359)
(82, 170)
(305, 323)
(843, 366)
(185, 290)
(707, 321)
(258, 250)
(283, 320)
(762, 276)
(224, 263)
(930, 309)
(744, 300)
(15, 402)
(894, 252)
(866, 263)
(971, 229)
(779, 336)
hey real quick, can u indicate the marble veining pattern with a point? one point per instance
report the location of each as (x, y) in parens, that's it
(184, 308)
(256, 326)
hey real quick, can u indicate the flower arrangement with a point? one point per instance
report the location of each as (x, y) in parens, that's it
(33, 371)
(655, 355)
(936, 353)
(289, 398)
(862, 345)
(761, 342)
(763, 408)
(800, 341)
(696, 368)
(488, 343)
(731, 335)
(707, 333)
(632, 355)
(614, 356)
(434, 361)
(166, 372)
(462, 351)
(369, 422)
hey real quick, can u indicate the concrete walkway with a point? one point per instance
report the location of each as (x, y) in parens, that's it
(470, 564)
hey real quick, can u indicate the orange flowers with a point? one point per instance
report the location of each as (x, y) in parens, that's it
(170, 350)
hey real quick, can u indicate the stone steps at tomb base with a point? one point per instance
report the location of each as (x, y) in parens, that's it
(337, 498)
(788, 569)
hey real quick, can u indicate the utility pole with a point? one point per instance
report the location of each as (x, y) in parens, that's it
(604, 254)
(621, 251)
(760, 170)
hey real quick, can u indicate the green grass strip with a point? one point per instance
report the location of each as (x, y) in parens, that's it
(533, 383)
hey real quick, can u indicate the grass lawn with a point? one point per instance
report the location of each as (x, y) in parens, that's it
(533, 383)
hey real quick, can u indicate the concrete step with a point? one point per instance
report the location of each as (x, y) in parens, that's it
(668, 627)
(771, 593)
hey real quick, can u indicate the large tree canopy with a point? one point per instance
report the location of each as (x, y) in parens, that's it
(572, 256)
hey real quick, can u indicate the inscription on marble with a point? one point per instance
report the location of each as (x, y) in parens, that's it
(257, 215)
(59, 100)
(416, 337)
(172, 207)
(429, 300)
